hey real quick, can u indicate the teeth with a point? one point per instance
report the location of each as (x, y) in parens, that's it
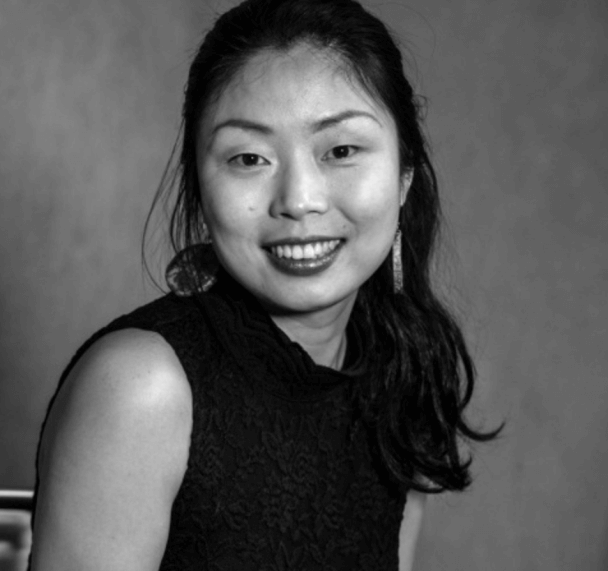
(297, 253)
(305, 252)
(309, 251)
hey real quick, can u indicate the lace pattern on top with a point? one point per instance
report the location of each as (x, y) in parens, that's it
(280, 475)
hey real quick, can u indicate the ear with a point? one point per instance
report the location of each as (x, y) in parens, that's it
(406, 181)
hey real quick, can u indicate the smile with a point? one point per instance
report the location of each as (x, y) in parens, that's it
(310, 251)
(301, 258)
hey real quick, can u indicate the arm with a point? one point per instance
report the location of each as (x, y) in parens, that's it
(113, 454)
(410, 528)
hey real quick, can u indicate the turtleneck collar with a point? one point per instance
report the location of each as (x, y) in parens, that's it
(247, 332)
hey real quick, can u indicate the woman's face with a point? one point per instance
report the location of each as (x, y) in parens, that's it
(300, 179)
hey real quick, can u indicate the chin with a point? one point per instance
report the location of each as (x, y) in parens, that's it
(308, 301)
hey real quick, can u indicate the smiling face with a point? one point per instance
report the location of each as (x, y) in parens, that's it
(300, 181)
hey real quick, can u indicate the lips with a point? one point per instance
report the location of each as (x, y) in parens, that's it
(304, 257)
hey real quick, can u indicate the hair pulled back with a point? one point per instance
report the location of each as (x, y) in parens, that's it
(420, 373)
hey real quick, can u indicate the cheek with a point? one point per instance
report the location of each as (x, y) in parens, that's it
(228, 210)
(373, 198)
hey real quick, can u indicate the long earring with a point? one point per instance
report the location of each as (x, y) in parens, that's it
(397, 263)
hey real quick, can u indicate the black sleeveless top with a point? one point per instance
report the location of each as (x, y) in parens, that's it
(281, 475)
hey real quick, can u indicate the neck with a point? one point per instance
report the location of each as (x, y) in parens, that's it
(322, 334)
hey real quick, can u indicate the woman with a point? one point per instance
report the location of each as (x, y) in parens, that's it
(291, 402)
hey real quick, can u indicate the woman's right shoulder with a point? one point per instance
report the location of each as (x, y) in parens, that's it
(128, 378)
(129, 368)
(113, 453)
(133, 352)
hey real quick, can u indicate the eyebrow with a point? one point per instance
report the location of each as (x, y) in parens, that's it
(339, 117)
(316, 127)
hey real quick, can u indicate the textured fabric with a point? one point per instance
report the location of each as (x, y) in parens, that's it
(281, 476)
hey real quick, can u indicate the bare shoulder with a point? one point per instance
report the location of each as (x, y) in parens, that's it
(113, 455)
(410, 529)
(130, 376)
(143, 358)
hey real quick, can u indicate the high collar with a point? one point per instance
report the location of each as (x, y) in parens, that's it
(262, 350)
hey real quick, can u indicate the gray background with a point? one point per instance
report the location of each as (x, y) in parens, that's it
(90, 98)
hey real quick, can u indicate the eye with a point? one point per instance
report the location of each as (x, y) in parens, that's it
(342, 152)
(247, 160)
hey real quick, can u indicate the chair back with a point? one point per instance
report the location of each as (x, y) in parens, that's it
(15, 532)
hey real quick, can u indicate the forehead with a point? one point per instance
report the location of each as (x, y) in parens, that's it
(300, 84)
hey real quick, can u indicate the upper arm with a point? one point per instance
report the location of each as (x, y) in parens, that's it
(112, 457)
(410, 528)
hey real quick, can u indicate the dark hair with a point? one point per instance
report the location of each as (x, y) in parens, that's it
(420, 373)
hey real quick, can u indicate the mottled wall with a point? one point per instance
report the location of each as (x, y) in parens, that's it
(90, 95)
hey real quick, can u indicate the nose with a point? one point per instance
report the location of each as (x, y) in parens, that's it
(300, 190)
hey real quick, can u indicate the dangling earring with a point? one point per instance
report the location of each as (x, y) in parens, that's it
(397, 264)
(193, 269)
(206, 266)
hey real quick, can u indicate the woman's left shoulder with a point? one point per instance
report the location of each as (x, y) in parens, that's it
(410, 528)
